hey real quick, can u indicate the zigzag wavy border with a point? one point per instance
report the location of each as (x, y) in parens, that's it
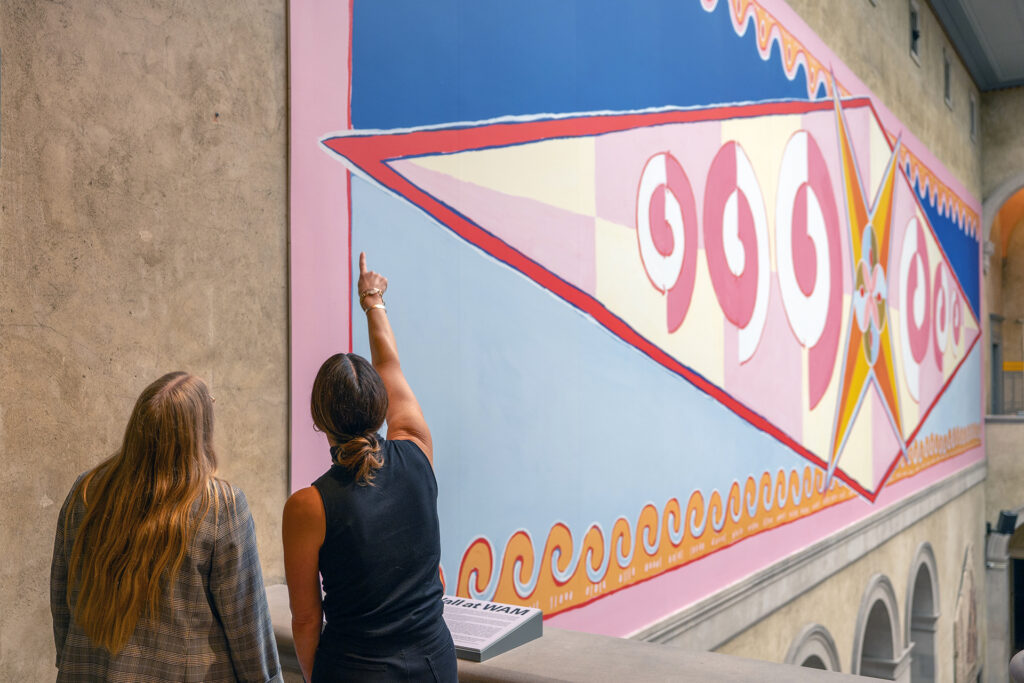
(795, 54)
(566, 578)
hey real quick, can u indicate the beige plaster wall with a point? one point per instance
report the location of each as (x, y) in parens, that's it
(1002, 135)
(143, 228)
(1004, 445)
(873, 40)
(835, 603)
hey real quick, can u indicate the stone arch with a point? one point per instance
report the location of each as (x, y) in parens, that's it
(922, 613)
(878, 648)
(990, 207)
(814, 648)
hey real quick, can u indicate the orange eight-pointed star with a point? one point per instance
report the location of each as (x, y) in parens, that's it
(869, 355)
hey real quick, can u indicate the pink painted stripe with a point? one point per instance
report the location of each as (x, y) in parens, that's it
(318, 204)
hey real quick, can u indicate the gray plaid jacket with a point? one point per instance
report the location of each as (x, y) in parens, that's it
(216, 628)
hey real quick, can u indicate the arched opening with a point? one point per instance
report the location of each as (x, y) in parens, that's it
(1005, 285)
(922, 628)
(878, 650)
(878, 640)
(814, 662)
(814, 648)
(923, 613)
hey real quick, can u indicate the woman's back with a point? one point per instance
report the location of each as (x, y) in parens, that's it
(212, 623)
(381, 552)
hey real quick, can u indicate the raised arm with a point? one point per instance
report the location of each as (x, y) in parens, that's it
(404, 416)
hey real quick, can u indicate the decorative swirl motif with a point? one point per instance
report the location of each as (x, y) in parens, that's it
(750, 493)
(940, 296)
(675, 528)
(621, 542)
(695, 513)
(957, 313)
(521, 571)
(480, 558)
(666, 230)
(593, 552)
(716, 512)
(561, 584)
(647, 529)
(767, 489)
(915, 302)
(561, 563)
(735, 502)
(736, 244)
(808, 257)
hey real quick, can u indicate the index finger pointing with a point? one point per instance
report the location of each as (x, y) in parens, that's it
(362, 262)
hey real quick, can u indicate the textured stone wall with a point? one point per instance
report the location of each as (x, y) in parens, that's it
(1002, 127)
(1005, 484)
(143, 229)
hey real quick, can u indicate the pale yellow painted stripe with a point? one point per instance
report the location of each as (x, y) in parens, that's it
(556, 172)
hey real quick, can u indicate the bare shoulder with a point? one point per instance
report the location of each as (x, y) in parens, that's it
(304, 505)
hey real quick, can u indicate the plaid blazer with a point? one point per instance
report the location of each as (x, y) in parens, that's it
(216, 628)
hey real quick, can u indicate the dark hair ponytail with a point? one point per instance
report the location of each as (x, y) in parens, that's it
(360, 455)
(348, 404)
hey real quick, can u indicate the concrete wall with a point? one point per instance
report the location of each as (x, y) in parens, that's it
(1002, 128)
(873, 40)
(835, 603)
(1004, 440)
(142, 229)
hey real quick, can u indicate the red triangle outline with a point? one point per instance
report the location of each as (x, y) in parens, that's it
(369, 153)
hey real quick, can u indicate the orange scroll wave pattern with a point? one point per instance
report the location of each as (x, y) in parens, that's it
(659, 542)
(567, 577)
(933, 449)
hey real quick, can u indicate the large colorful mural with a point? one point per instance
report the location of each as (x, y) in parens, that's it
(678, 294)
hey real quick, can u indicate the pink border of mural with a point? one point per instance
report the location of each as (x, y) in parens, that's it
(319, 33)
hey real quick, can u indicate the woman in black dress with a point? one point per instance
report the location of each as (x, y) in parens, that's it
(368, 526)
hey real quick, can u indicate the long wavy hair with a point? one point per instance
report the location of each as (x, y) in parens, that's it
(349, 403)
(142, 508)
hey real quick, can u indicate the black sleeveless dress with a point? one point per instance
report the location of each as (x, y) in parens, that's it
(379, 563)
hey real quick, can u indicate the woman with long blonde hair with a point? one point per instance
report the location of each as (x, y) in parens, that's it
(155, 573)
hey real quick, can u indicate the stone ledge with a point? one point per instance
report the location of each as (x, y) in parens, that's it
(572, 656)
(1004, 419)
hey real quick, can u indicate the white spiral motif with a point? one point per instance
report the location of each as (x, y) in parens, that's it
(661, 269)
(911, 309)
(806, 313)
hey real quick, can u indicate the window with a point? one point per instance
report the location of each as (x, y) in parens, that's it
(947, 91)
(915, 31)
(973, 116)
